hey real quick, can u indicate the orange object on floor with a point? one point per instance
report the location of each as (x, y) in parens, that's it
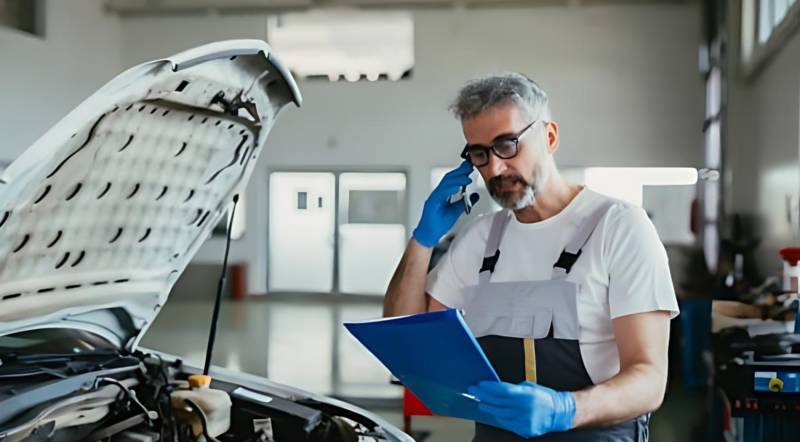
(412, 406)
(238, 278)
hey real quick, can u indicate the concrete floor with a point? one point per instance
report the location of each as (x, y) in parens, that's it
(298, 340)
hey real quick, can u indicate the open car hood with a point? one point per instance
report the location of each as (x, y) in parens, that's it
(100, 216)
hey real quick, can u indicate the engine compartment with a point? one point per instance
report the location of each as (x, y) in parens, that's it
(135, 405)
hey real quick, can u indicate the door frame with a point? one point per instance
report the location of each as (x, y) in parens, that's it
(336, 171)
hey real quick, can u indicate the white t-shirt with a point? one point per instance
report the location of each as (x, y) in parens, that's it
(622, 270)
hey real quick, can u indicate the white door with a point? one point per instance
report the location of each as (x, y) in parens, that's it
(301, 228)
(372, 232)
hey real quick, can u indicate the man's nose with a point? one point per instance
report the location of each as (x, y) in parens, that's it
(496, 165)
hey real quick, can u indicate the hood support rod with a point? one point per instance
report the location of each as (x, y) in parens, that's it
(220, 288)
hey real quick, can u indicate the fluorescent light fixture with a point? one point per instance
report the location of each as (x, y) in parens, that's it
(344, 43)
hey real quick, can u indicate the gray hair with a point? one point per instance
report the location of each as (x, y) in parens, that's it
(498, 89)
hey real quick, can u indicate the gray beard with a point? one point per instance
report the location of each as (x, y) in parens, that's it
(540, 177)
(522, 202)
(526, 199)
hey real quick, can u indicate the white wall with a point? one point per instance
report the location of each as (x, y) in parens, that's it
(623, 83)
(43, 78)
(622, 79)
(763, 143)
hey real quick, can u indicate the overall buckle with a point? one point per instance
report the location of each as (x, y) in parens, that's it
(567, 260)
(490, 262)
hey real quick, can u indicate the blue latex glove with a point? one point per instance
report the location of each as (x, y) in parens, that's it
(526, 409)
(439, 214)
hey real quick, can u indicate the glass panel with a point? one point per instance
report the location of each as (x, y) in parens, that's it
(361, 374)
(301, 239)
(372, 232)
(300, 350)
(764, 20)
(376, 206)
(779, 11)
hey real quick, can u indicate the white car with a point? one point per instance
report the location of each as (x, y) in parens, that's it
(98, 219)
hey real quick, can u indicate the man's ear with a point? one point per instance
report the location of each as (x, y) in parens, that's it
(552, 137)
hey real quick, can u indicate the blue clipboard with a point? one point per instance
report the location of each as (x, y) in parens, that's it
(433, 354)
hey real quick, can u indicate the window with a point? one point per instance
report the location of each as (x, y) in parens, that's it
(345, 44)
(765, 21)
(770, 14)
(765, 26)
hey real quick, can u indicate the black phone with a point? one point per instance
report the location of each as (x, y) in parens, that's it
(467, 200)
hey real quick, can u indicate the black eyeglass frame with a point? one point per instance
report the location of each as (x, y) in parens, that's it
(493, 148)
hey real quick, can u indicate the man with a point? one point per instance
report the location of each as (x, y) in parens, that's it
(568, 291)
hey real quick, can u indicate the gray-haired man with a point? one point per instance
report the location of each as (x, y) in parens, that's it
(568, 291)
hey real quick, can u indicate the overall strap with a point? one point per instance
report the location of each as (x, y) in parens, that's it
(572, 250)
(492, 252)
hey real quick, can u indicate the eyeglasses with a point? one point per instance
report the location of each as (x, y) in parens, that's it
(504, 148)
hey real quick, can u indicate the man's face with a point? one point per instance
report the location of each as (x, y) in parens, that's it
(512, 182)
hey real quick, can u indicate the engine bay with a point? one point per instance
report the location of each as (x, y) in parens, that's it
(132, 398)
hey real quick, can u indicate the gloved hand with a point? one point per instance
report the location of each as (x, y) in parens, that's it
(439, 214)
(527, 409)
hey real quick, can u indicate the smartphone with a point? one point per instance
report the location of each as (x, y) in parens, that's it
(467, 200)
(464, 197)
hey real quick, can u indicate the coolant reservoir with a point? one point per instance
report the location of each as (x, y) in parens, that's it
(216, 405)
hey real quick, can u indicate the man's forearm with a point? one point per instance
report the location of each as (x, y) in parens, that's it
(634, 391)
(406, 292)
